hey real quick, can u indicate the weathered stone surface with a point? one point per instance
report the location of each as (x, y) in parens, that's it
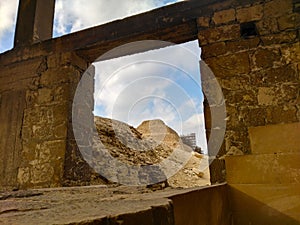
(265, 204)
(278, 8)
(291, 21)
(65, 74)
(281, 114)
(266, 58)
(268, 169)
(21, 74)
(267, 96)
(66, 59)
(213, 50)
(291, 53)
(111, 206)
(274, 75)
(241, 97)
(253, 13)
(275, 138)
(229, 65)
(203, 21)
(39, 123)
(243, 45)
(11, 115)
(224, 16)
(280, 38)
(223, 33)
(267, 25)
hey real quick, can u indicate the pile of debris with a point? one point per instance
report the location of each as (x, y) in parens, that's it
(148, 154)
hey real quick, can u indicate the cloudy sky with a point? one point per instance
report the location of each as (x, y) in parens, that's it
(160, 84)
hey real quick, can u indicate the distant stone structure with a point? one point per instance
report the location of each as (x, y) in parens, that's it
(190, 140)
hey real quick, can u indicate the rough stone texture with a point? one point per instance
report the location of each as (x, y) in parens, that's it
(257, 67)
(281, 138)
(224, 16)
(259, 74)
(149, 144)
(248, 14)
(115, 205)
(38, 91)
(265, 184)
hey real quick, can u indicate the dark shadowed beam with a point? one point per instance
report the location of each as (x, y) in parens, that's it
(34, 21)
(174, 23)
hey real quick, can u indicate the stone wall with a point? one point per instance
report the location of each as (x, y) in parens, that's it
(35, 112)
(252, 46)
(253, 49)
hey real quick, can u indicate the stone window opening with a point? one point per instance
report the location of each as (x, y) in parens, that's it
(141, 95)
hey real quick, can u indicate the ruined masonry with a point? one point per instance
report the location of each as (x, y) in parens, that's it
(253, 49)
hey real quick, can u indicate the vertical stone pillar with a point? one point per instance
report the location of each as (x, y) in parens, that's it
(34, 22)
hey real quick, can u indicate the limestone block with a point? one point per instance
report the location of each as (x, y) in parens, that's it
(281, 114)
(223, 33)
(19, 74)
(45, 123)
(252, 115)
(23, 175)
(274, 75)
(252, 13)
(45, 95)
(203, 21)
(215, 49)
(66, 58)
(229, 65)
(267, 25)
(41, 173)
(60, 75)
(283, 37)
(277, 8)
(266, 58)
(291, 21)
(275, 138)
(265, 204)
(243, 45)
(224, 16)
(267, 96)
(291, 53)
(263, 169)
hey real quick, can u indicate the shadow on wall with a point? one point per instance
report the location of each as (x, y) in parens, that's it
(253, 211)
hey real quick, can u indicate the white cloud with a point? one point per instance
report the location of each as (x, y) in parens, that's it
(160, 84)
(8, 11)
(79, 14)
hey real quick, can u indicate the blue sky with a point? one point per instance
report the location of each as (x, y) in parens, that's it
(161, 84)
(74, 15)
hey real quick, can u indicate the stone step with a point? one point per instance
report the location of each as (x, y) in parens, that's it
(263, 169)
(275, 138)
(265, 204)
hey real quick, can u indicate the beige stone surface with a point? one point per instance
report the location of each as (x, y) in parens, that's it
(203, 21)
(275, 138)
(280, 168)
(278, 8)
(267, 96)
(265, 204)
(223, 33)
(111, 206)
(289, 21)
(250, 13)
(224, 16)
